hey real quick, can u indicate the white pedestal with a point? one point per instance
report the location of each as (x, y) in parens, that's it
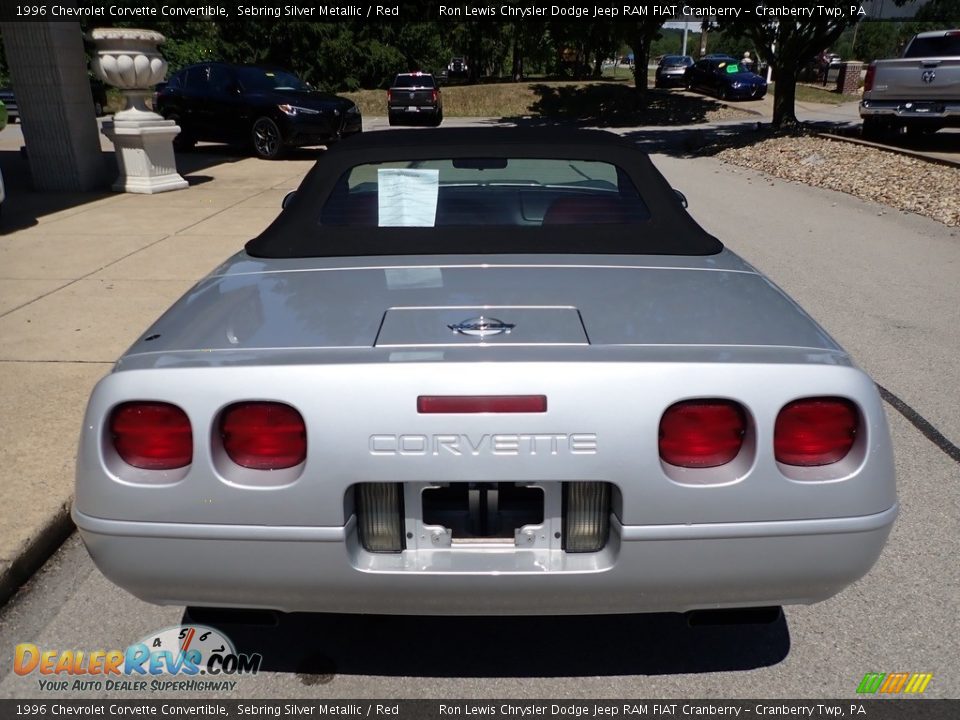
(144, 148)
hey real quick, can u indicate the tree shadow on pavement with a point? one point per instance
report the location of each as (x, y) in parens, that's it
(690, 142)
(319, 647)
(614, 105)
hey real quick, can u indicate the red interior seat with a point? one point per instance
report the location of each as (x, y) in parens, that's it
(585, 210)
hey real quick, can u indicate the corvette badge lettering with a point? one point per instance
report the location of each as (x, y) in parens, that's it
(491, 444)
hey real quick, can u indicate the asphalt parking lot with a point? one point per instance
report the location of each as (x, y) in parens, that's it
(884, 285)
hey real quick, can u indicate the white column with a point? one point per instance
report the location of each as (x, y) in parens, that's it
(49, 77)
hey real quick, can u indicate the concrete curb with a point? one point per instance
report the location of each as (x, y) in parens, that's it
(35, 553)
(890, 148)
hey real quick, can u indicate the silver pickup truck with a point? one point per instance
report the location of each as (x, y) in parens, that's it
(919, 92)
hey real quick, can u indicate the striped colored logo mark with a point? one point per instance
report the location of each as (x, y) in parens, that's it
(894, 683)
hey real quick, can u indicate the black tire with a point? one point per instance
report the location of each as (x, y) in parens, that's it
(722, 93)
(393, 120)
(266, 138)
(183, 141)
(438, 118)
(873, 129)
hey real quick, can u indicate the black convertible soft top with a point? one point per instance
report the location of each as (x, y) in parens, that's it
(667, 230)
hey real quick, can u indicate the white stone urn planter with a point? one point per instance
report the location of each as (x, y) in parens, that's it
(128, 59)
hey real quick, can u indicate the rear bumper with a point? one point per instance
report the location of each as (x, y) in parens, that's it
(643, 568)
(946, 113)
(413, 110)
(674, 79)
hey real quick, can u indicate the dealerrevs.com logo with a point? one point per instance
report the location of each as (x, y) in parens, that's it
(185, 658)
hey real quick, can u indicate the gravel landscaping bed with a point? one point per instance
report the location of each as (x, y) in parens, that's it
(899, 181)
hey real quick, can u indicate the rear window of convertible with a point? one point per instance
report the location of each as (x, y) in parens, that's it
(512, 192)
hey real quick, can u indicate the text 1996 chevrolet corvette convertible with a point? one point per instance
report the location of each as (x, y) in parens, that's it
(485, 371)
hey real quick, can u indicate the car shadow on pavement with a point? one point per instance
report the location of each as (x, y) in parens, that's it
(317, 647)
(614, 105)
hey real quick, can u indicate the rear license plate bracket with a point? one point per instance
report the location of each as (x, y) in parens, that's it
(478, 512)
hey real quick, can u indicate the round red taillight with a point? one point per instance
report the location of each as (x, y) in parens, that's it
(264, 435)
(702, 433)
(815, 431)
(152, 435)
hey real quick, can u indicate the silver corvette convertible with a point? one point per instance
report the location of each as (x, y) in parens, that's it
(477, 372)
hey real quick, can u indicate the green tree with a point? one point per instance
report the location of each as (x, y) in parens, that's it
(640, 35)
(787, 46)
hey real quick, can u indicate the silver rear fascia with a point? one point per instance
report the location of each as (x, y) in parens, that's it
(604, 408)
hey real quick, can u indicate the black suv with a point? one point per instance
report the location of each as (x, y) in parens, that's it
(414, 96)
(267, 109)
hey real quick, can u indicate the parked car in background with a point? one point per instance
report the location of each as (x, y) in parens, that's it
(3, 124)
(266, 109)
(485, 371)
(726, 78)
(828, 67)
(457, 68)
(97, 89)
(414, 97)
(99, 92)
(672, 70)
(8, 99)
(919, 92)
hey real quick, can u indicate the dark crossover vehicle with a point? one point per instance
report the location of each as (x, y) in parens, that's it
(415, 96)
(672, 70)
(267, 109)
(485, 371)
(8, 99)
(726, 78)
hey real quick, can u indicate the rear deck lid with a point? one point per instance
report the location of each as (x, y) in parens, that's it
(419, 327)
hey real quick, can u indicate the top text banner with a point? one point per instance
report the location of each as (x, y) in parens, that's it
(108, 12)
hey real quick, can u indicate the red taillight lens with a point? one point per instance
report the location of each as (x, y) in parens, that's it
(264, 435)
(152, 435)
(434, 96)
(389, 95)
(815, 431)
(868, 80)
(702, 433)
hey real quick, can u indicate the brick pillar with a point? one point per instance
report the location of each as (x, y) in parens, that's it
(49, 74)
(848, 79)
